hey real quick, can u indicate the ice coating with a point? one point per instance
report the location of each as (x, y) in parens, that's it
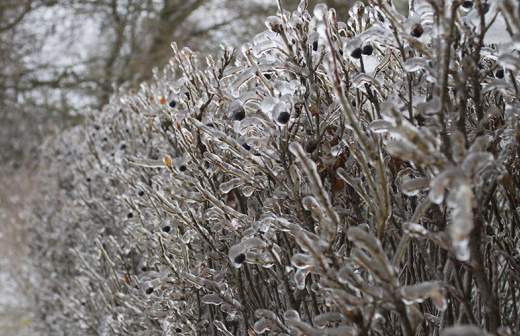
(328, 178)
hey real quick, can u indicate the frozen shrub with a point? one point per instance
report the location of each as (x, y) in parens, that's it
(337, 176)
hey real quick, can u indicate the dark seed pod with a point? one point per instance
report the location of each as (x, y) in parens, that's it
(140, 193)
(183, 168)
(368, 49)
(166, 229)
(499, 73)
(417, 30)
(356, 53)
(467, 4)
(283, 117)
(166, 123)
(130, 215)
(298, 107)
(149, 290)
(315, 45)
(237, 111)
(311, 146)
(172, 103)
(239, 259)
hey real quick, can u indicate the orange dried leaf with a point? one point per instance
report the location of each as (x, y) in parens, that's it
(168, 161)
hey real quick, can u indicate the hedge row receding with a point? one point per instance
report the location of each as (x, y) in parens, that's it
(336, 176)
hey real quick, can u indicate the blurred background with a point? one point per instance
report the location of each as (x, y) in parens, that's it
(62, 57)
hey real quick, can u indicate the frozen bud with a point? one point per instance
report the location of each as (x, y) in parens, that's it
(237, 111)
(368, 49)
(239, 259)
(311, 146)
(315, 45)
(467, 4)
(237, 253)
(356, 53)
(283, 117)
(275, 24)
(166, 229)
(499, 73)
(246, 146)
(417, 30)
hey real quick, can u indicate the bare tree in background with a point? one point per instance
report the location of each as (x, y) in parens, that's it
(60, 57)
(18, 121)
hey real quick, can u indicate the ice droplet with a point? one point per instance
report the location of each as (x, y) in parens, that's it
(212, 299)
(323, 319)
(461, 249)
(227, 186)
(320, 11)
(415, 230)
(422, 291)
(301, 260)
(460, 202)
(262, 326)
(380, 126)
(415, 64)
(299, 277)
(412, 186)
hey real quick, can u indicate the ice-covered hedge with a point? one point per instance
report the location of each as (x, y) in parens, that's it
(336, 176)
